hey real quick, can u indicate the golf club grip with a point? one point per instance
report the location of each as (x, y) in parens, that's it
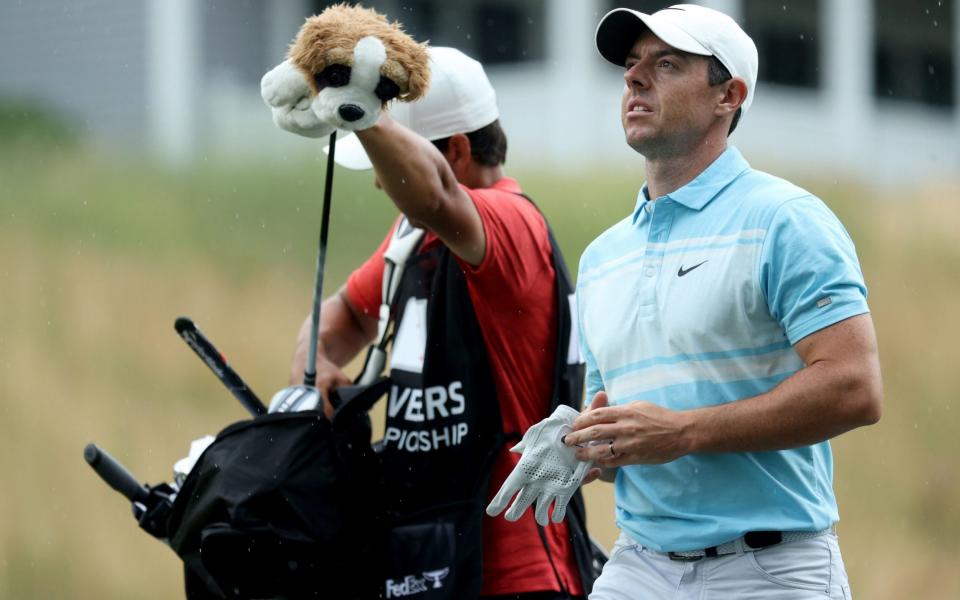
(115, 474)
(212, 357)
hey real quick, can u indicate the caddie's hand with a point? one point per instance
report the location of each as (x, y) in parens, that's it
(329, 375)
(286, 92)
(548, 472)
(635, 433)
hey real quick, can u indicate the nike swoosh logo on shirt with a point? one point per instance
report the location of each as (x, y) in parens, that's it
(683, 271)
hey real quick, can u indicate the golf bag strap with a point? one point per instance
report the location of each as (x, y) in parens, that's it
(403, 243)
(568, 367)
(553, 565)
(566, 328)
(568, 377)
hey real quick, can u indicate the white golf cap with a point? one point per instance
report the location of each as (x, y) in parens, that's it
(688, 27)
(460, 100)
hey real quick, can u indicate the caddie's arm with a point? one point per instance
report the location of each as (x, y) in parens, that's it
(839, 389)
(424, 187)
(344, 332)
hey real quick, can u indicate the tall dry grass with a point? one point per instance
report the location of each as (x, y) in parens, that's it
(97, 258)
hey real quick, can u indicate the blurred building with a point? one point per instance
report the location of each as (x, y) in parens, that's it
(862, 86)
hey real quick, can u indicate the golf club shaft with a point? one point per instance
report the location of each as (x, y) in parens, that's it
(115, 474)
(310, 372)
(217, 363)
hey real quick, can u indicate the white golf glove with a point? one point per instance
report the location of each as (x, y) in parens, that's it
(548, 473)
(287, 94)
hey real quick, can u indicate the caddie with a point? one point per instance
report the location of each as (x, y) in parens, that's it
(480, 347)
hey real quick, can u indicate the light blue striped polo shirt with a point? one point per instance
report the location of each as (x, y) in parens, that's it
(694, 300)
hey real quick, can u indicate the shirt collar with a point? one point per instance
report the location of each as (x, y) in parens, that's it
(506, 184)
(704, 187)
(642, 198)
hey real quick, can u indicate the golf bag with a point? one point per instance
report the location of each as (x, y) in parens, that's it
(293, 505)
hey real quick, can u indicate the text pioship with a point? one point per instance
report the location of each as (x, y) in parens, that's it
(422, 407)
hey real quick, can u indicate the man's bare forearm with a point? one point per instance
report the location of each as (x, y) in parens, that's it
(839, 389)
(808, 408)
(411, 170)
(343, 334)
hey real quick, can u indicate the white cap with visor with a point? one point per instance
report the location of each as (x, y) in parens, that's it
(687, 27)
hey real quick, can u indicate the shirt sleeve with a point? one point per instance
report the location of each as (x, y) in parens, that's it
(809, 271)
(517, 251)
(365, 284)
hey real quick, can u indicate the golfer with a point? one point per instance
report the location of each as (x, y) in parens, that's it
(727, 337)
(473, 363)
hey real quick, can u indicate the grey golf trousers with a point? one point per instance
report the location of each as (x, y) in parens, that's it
(799, 570)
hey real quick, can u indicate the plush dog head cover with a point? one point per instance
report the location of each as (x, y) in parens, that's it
(355, 62)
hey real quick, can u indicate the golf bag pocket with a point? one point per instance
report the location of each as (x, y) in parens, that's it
(435, 554)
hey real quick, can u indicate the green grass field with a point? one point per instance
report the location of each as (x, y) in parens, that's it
(98, 256)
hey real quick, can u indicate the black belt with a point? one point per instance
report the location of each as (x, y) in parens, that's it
(750, 542)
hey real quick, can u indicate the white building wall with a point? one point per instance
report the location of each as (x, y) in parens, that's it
(847, 96)
(174, 80)
(84, 59)
(566, 113)
(563, 112)
(238, 125)
(136, 71)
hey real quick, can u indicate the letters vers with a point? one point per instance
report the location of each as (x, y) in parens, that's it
(415, 405)
(433, 400)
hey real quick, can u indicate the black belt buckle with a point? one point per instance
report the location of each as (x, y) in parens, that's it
(754, 539)
(762, 539)
(682, 558)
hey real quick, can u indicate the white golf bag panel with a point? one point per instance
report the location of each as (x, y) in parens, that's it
(410, 340)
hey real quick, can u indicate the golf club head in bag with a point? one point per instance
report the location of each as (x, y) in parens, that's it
(284, 505)
(296, 398)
